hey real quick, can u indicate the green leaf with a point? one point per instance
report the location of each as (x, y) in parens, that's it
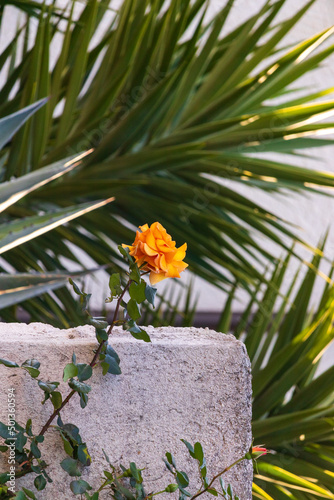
(170, 459)
(190, 448)
(76, 290)
(28, 428)
(124, 252)
(137, 291)
(29, 493)
(84, 371)
(56, 399)
(230, 490)
(213, 492)
(138, 333)
(182, 479)
(12, 123)
(4, 432)
(111, 352)
(133, 309)
(110, 365)
(98, 323)
(198, 451)
(3, 478)
(31, 366)
(115, 285)
(101, 335)
(67, 445)
(135, 274)
(20, 496)
(83, 400)
(48, 387)
(35, 450)
(32, 371)
(94, 497)
(78, 487)
(150, 293)
(79, 387)
(135, 473)
(34, 363)
(83, 454)
(20, 442)
(15, 189)
(40, 482)
(9, 364)
(70, 466)
(20, 231)
(71, 370)
(22, 286)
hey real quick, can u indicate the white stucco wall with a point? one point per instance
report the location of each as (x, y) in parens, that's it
(312, 213)
(143, 412)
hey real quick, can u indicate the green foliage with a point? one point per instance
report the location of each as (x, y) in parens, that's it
(110, 365)
(129, 484)
(73, 445)
(293, 406)
(79, 387)
(71, 466)
(166, 132)
(20, 226)
(31, 366)
(9, 364)
(79, 487)
(114, 286)
(84, 371)
(150, 293)
(27, 451)
(70, 371)
(208, 486)
(11, 124)
(40, 482)
(137, 291)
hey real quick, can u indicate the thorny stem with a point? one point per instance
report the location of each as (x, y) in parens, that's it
(112, 324)
(92, 364)
(150, 495)
(108, 481)
(216, 477)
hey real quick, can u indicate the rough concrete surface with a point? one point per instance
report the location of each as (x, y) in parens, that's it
(188, 383)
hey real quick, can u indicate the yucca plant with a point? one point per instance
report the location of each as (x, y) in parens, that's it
(293, 405)
(172, 113)
(16, 229)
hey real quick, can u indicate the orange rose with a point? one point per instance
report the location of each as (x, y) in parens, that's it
(154, 247)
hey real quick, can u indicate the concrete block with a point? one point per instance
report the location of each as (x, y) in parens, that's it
(188, 383)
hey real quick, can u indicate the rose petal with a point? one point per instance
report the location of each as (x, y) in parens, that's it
(181, 252)
(150, 240)
(148, 250)
(156, 277)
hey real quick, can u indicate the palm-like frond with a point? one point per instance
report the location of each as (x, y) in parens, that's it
(14, 232)
(175, 121)
(293, 406)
